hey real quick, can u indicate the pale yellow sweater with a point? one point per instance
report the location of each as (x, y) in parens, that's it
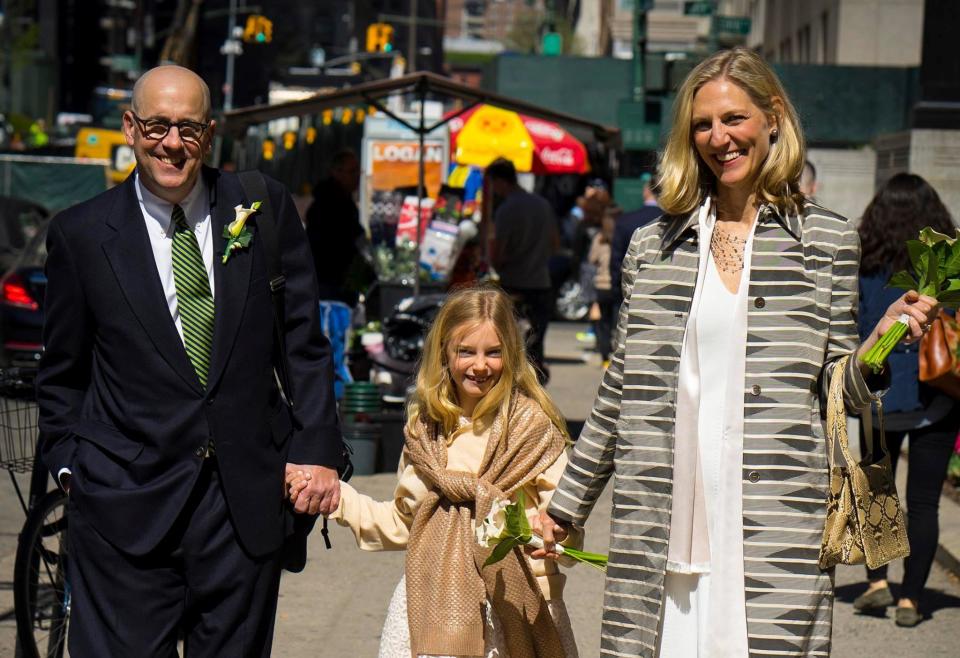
(385, 525)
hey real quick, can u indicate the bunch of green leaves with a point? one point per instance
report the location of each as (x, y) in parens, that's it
(935, 265)
(518, 531)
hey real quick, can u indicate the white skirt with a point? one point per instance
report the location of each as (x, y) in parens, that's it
(395, 638)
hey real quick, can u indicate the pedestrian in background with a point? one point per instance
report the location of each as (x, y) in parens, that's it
(334, 230)
(604, 305)
(904, 205)
(740, 301)
(525, 236)
(480, 428)
(627, 224)
(808, 181)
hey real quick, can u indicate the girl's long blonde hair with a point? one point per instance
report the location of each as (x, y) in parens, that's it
(436, 394)
(684, 178)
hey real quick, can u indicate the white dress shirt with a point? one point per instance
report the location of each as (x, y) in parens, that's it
(158, 216)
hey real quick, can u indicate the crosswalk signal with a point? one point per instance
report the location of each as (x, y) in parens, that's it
(379, 38)
(259, 29)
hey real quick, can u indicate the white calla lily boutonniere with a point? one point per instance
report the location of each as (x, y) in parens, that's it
(236, 232)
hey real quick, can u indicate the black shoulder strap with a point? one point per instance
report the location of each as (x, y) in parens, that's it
(255, 189)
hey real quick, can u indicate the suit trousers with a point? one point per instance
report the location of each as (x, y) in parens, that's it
(199, 585)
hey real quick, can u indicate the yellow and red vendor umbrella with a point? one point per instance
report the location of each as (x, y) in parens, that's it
(484, 133)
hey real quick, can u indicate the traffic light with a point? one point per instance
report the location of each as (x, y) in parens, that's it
(268, 148)
(259, 29)
(379, 38)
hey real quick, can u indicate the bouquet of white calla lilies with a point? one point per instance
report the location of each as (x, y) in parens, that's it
(493, 526)
(506, 526)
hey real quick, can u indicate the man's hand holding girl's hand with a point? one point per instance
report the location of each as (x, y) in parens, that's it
(312, 489)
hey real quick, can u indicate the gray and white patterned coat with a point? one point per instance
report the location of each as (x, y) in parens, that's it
(801, 308)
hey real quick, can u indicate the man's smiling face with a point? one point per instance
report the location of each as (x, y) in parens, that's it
(169, 166)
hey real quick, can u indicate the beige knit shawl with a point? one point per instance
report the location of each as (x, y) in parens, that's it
(446, 584)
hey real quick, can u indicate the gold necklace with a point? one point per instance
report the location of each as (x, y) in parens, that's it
(727, 249)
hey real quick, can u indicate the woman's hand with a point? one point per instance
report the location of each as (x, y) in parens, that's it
(552, 533)
(920, 310)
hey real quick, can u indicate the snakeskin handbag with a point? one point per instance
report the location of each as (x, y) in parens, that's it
(864, 519)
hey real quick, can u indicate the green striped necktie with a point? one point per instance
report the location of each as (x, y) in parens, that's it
(193, 295)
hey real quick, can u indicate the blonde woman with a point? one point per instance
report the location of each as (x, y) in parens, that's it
(480, 428)
(738, 303)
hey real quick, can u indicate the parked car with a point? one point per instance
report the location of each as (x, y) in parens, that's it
(23, 253)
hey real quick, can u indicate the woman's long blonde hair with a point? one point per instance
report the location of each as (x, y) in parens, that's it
(685, 178)
(436, 394)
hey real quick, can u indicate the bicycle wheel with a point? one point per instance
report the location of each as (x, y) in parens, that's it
(41, 595)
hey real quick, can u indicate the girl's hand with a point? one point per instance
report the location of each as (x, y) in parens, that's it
(552, 533)
(297, 481)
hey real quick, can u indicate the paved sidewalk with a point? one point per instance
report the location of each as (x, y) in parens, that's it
(337, 606)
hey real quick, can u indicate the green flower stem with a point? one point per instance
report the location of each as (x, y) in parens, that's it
(595, 560)
(877, 355)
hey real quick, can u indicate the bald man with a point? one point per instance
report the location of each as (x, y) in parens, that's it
(160, 414)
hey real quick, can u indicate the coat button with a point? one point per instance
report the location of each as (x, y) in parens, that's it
(754, 476)
(756, 390)
(201, 451)
(759, 302)
(210, 401)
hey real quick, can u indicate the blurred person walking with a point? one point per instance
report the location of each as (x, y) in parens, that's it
(603, 308)
(808, 181)
(626, 225)
(739, 303)
(525, 236)
(333, 228)
(904, 205)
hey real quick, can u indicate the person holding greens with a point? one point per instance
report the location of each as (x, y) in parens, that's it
(738, 303)
(904, 205)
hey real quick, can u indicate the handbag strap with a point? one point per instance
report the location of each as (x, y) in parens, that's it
(255, 187)
(837, 420)
(867, 419)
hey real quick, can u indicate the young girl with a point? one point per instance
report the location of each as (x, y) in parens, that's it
(480, 428)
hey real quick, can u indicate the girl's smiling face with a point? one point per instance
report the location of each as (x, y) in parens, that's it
(475, 361)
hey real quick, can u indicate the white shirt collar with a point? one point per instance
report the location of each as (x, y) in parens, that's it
(195, 205)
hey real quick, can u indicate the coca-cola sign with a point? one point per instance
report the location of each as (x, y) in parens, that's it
(558, 157)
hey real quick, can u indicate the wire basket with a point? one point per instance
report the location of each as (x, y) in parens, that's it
(18, 422)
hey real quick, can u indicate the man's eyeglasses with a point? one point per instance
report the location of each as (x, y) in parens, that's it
(157, 129)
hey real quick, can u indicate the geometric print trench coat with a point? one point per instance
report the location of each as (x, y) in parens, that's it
(801, 318)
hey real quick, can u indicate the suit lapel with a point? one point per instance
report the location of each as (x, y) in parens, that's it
(131, 258)
(231, 279)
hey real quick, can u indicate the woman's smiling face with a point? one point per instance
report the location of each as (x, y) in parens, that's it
(475, 361)
(731, 134)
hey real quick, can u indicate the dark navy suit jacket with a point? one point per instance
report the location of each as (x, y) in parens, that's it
(120, 403)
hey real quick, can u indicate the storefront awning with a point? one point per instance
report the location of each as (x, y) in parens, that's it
(422, 84)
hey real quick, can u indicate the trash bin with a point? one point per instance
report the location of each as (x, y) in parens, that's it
(359, 399)
(391, 421)
(364, 440)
